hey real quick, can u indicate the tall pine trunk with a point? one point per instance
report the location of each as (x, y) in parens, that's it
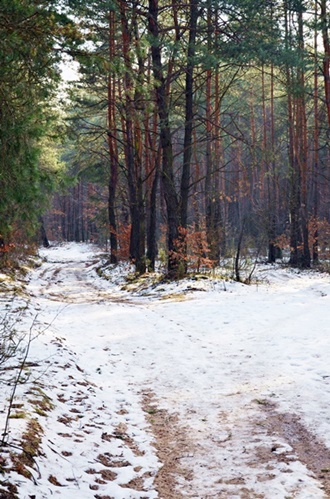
(315, 183)
(214, 233)
(133, 155)
(298, 147)
(112, 147)
(167, 173)
(326, 57)
(188, 129)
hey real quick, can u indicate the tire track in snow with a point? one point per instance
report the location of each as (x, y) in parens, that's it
(306, 446)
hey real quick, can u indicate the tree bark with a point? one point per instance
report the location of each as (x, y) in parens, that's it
(167, 174)
(189, 112)
(113, 152)
(326, 57)
(315, 250)
(132, 155)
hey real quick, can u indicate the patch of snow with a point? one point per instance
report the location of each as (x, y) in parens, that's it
(211, 350)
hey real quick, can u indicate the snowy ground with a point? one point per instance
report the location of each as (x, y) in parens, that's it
(200, 389)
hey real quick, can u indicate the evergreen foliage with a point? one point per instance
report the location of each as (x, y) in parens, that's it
(31, 36)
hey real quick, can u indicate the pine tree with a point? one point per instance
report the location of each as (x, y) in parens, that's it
(31, 34)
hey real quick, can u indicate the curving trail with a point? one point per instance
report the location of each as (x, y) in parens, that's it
(217, 394)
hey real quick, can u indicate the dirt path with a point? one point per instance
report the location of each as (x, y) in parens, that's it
(129, 422)
(307, 448)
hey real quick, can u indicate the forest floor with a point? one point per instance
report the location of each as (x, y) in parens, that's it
(202, 388)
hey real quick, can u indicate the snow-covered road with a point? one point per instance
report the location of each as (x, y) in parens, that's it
(232, 381)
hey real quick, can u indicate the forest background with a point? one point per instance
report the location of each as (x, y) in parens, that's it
(194, 131)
